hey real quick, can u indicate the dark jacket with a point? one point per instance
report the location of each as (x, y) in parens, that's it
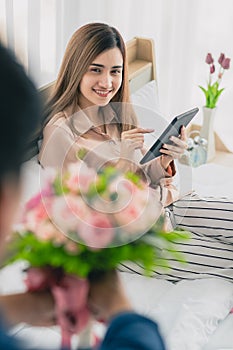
(130, 331)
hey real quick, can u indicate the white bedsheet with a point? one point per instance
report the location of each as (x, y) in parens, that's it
(188, 313)
(192, 315)
(213, 180)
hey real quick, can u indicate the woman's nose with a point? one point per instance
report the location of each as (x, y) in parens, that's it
(106, 81)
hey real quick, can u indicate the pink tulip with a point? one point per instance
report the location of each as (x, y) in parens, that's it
(209, 59)
(226, 63)
(212, 69)
(221, 58)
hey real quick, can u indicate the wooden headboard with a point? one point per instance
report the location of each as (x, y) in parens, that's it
(141, 66)
(141, 62)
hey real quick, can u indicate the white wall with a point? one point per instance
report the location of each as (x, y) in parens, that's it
(183, 31)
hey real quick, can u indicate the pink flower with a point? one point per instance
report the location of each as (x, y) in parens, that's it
(221, 58)
(72, 183)
(34, 202)
(209, 59)
(71, 247)
(140, 214)
(68, 212)
(37, 214)
(46, 231)
(46, 191)
(212, 69)
(123, 190)
(213, 91)
(226, 63)
(97, 232)
(80, 177)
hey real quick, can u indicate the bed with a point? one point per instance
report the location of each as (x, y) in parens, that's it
(192, 315)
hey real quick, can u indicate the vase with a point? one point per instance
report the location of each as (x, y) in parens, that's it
(207, 131)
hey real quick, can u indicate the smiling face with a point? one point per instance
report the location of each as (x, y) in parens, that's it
(102, 79)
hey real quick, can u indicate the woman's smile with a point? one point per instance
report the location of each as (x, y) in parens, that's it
(102, 80)
(103, 93)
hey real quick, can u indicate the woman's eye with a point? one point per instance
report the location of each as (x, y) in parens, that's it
(116, 71)
(95, 70)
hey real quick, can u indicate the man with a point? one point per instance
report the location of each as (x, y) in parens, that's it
(20, 112)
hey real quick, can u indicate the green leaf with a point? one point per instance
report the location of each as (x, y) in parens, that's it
(81, 153)
(154, 250)
(59, 187)
(211, 94)
(133, 178)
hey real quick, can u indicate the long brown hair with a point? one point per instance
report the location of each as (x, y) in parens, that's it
(85, 45)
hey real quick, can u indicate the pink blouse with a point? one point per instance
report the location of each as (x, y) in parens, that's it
(67, 134)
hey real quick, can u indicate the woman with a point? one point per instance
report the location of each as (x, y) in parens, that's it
(89, 113)
(20, 107)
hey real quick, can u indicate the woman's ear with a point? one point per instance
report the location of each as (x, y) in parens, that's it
(9, 202)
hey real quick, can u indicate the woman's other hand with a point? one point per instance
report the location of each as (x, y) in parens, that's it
(175, 150)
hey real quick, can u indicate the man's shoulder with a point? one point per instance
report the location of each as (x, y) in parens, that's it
(7, 342)
(130, 331)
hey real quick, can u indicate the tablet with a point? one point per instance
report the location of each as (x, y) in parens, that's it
(173, 129)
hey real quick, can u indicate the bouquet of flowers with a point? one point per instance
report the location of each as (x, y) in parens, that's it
(213, 91)
(82, 222)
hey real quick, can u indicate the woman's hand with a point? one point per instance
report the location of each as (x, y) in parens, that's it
(131, 140)
(174, 151)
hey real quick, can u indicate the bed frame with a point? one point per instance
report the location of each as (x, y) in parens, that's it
(141, 62)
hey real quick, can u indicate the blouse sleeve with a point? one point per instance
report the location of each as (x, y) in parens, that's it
(162, 180)
(58, 147)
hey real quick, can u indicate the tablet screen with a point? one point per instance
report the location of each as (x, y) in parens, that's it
(173, 129)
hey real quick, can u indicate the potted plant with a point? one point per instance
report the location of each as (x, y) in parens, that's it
(212, 94)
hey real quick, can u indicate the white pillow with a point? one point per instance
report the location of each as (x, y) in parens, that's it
(146, 106)
(147, 96)
(191, 311)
